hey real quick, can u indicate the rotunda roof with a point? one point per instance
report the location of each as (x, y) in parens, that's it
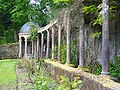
(27, 27)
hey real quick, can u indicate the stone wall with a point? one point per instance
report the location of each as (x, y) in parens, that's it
(92, 44)
(90, 81)
(9, 51)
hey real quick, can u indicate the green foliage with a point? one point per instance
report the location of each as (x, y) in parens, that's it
(57, 1)
(97, 34)
(6, 27)
(93, 10)
(63, 53)
(114, 68)
(7, 37)
(94, 68)
(67, 84)
(43, 82)
(14, 13)
(41, 13)
(74, 52)
(98, 20)
(33, 33)
(20, 11)
(90, 9)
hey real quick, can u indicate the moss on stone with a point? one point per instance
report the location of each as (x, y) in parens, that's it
(101, 80)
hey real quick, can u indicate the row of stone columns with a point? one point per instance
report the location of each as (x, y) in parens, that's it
(53, 43)
(20, 47)
(42, 44)
(48, 43)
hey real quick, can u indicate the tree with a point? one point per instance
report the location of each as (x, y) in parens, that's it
(6, 33)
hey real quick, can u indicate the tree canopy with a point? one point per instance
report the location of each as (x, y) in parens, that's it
(14, 13)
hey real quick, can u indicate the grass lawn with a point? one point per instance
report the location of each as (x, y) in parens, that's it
(8, 72)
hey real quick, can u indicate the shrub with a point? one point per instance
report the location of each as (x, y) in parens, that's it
(114, 69)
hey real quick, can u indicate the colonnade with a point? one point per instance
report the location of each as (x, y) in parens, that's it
(51, 35)
(51, 31)
(40, 47)
(21, 45)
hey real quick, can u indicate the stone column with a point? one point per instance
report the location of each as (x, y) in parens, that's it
(81, 41)
(48, 42)
(33, 48)
(25, 46)
(59, 42)
(42, 43)
(105, 55)
(20, 47)
(81, 47)
(53, 43)
(38, 47)
(68, 37)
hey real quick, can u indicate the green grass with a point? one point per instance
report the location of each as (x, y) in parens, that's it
(8, 72)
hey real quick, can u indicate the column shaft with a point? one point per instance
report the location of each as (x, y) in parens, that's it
(68, 37)
(53, 43)
(59, 42)
(81, 42)
(20, 47)
(33, 48)
(38, 47)
(48, 42)
(42, 43)
(25, 47)
(105, 37)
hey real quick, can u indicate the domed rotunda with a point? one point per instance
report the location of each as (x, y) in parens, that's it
(25, 46)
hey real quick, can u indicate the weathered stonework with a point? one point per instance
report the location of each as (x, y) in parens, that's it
(9, 51)
(90, 81)
(92, 45)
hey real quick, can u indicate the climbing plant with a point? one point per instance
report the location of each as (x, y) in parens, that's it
(61, 1)
(96, 11)
(33, 33)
